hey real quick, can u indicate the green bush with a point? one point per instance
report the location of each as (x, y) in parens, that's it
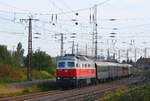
(9, 74)
(48, 86)
(139, 94)
(27, 90)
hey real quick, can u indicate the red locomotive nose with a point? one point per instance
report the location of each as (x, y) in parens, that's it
(66, 72)
(75, 72)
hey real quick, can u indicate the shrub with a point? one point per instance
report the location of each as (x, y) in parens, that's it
(113, 96)
(139, 94)
(2, 85)
(48, 86)
(9, 74)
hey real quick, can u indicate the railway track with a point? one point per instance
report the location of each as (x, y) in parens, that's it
(79, 94)
(31, 96)
(93, 93)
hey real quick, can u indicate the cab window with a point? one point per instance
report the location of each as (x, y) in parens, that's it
(61, 65)
(71, 64)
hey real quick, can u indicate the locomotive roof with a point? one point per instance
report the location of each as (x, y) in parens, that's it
(74, 57)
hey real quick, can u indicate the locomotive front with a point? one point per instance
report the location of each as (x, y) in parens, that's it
(66, 72)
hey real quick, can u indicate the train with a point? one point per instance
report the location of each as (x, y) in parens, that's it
(77, 71)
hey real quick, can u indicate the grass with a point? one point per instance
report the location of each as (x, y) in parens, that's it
(89, 98)
(7, 92)
(9, 74)
(139, 94)
(115, 94)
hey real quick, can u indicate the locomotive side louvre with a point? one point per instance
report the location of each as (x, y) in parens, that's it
(85, 69)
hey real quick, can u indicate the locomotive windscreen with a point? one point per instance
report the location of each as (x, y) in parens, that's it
(61, 65)
(71, 64)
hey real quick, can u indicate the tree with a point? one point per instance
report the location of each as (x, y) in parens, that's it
(42, 61)
(130, 62)
(5, 56)
(18, 55)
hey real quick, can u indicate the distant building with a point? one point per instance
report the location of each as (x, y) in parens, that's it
(143, 63)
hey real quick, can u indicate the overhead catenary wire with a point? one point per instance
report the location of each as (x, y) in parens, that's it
(16, 33)
(23, 11)
(101, 3)
(6, 4)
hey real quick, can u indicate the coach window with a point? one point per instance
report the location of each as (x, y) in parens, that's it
(82, 65)
(88, 65)
(71, 64)
(85, 65)
(79, 65)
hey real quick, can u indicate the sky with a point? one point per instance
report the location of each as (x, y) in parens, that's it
(132, 21)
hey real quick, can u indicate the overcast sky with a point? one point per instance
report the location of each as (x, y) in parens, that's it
(133, 22)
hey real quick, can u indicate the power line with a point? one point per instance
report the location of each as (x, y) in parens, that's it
(101, 3)
(18, 33)
(59, 9)
(68, 7)
(134, 26)
(3, 3)
(59, 13)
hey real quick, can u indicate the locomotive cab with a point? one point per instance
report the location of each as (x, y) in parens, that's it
(66, 71)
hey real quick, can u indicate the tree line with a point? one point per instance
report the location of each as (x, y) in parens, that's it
(40, 60)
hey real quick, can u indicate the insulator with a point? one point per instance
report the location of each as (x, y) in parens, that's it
(90, 19)
(93, 17)
(56, 18)
(77, 14)
(52, 18)
(76, 23)
(90, 16)
(14, 17)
